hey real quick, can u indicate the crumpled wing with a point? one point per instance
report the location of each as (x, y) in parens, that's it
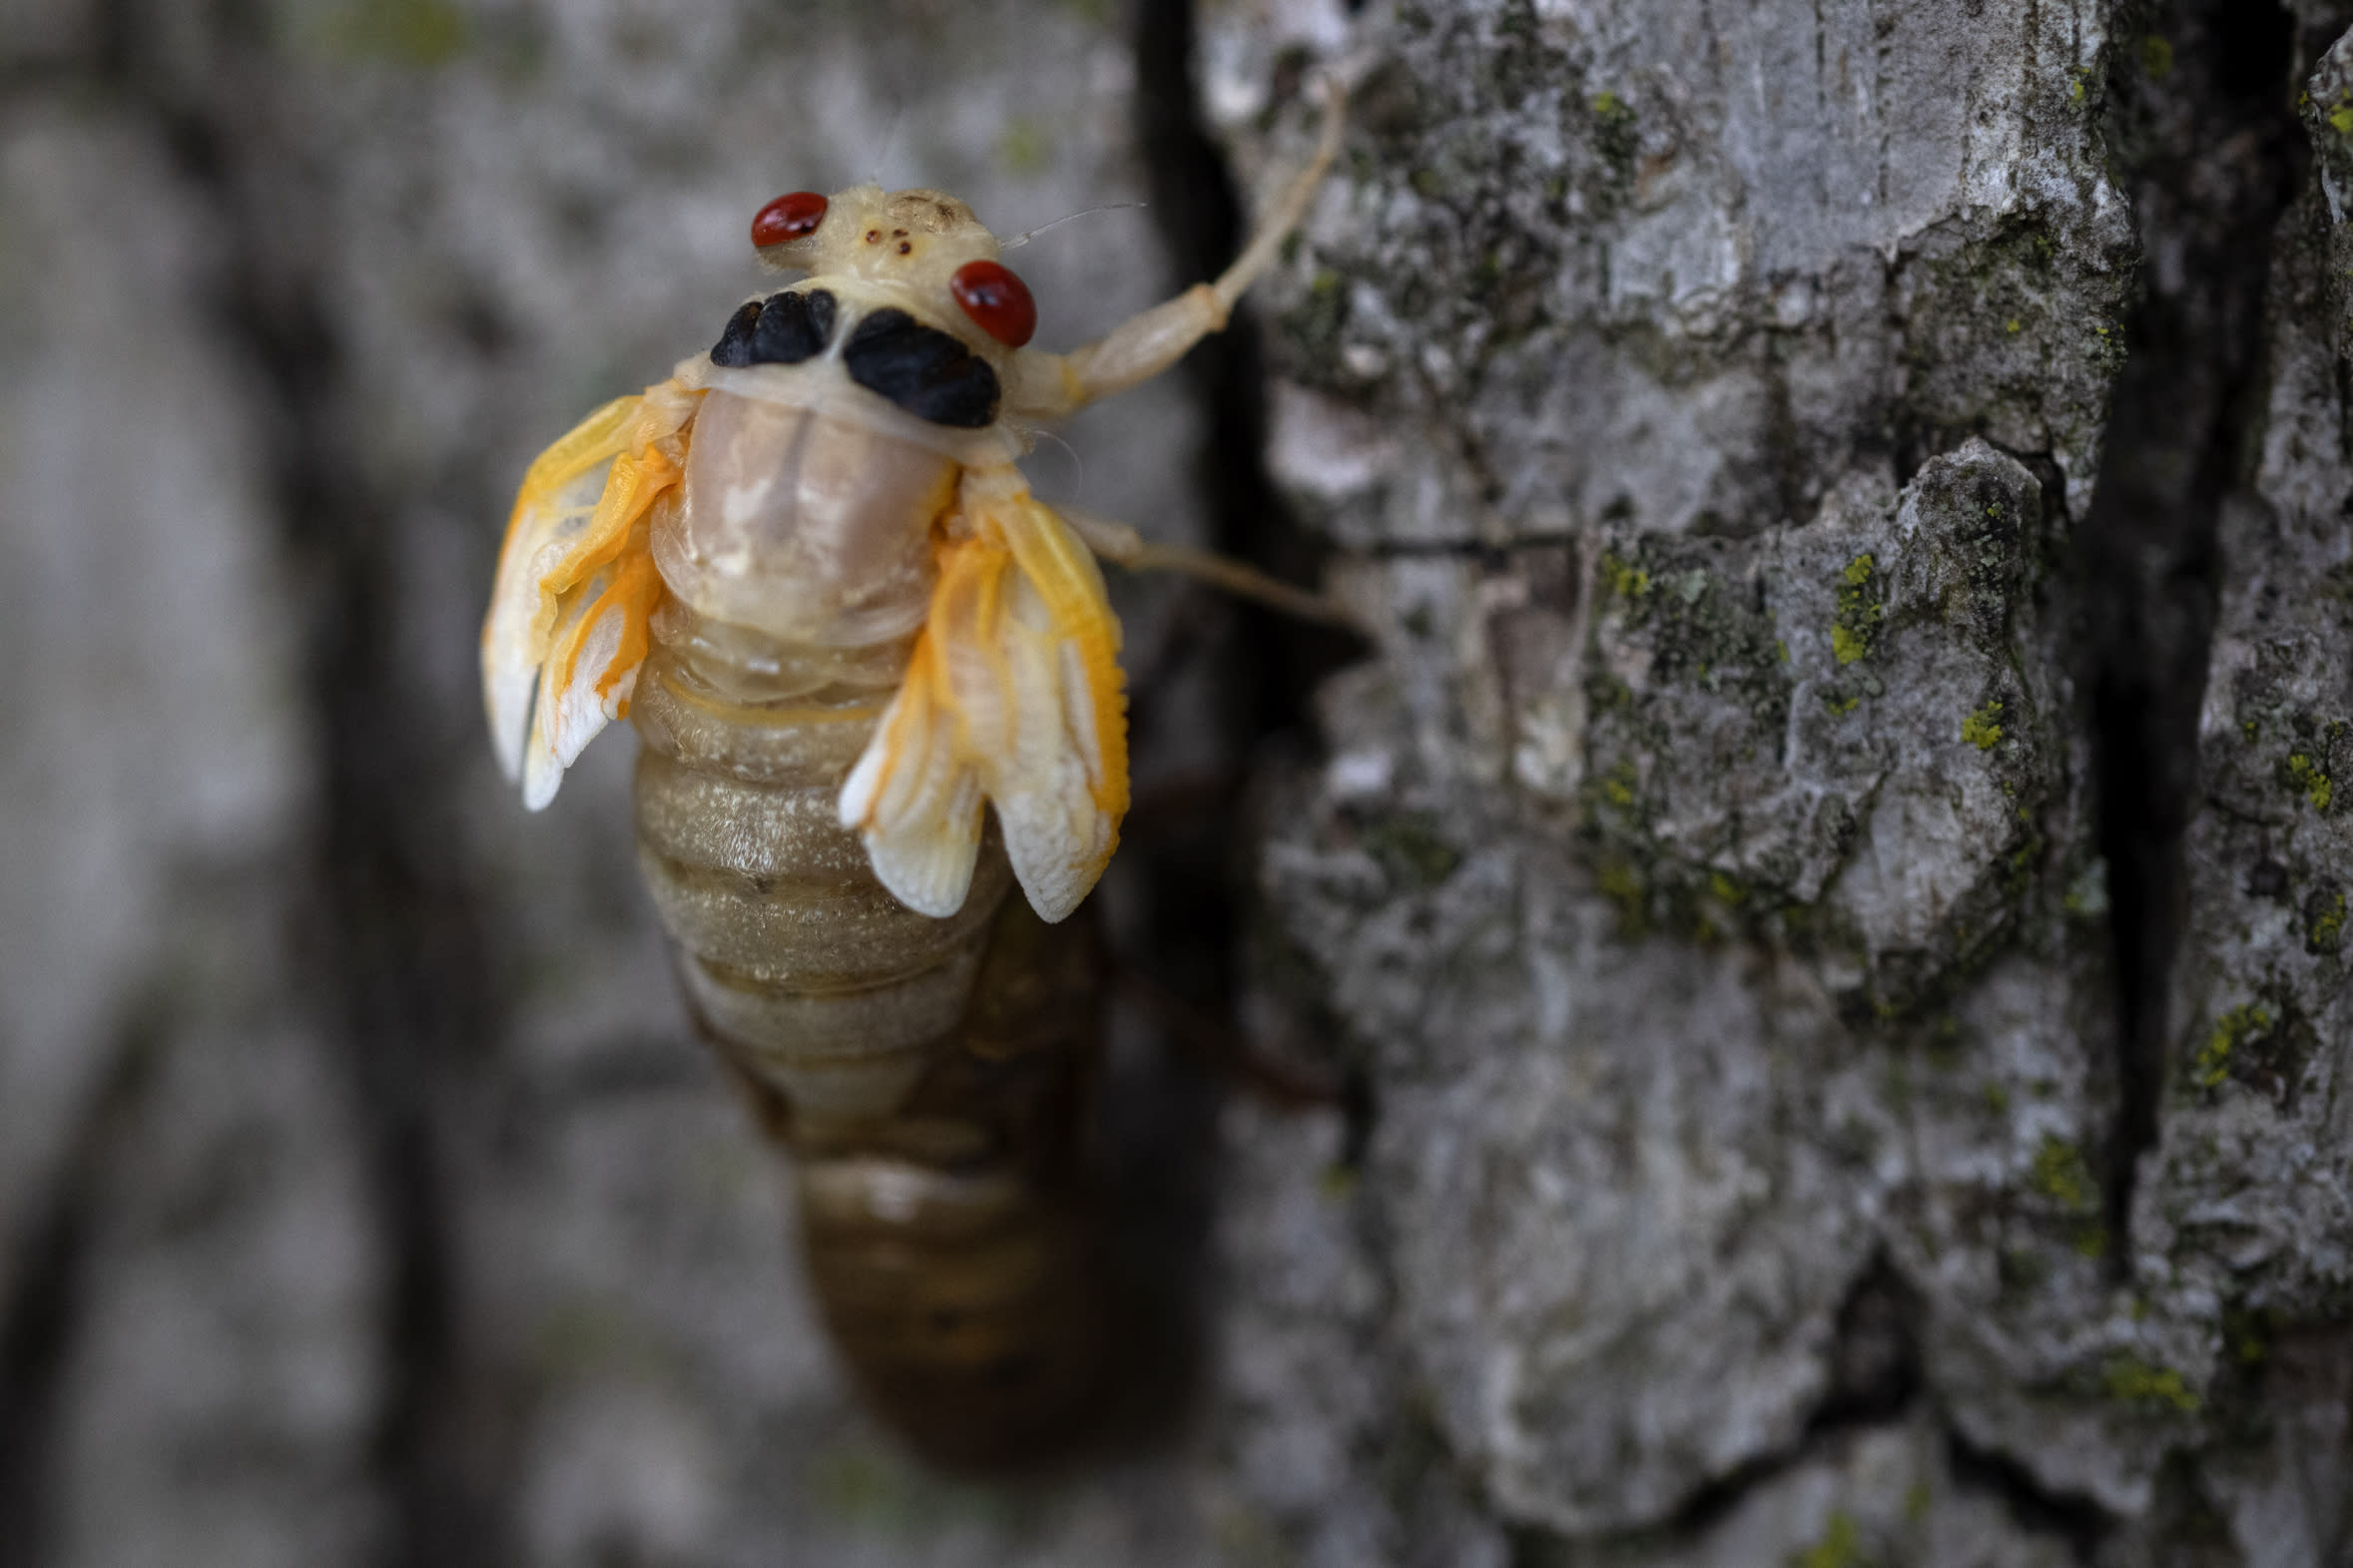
(576, 585)
(1014, 693)
(602, 632)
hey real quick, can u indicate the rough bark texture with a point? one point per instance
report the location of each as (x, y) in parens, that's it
(1827, 886)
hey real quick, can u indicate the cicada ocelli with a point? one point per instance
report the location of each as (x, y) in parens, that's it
(878, 685)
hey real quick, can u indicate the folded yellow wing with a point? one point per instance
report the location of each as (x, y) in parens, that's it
(576, 585)
(1014, 694)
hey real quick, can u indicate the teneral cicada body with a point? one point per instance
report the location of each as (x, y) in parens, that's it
(879, 687)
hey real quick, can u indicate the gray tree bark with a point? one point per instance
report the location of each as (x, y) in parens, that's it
(1825, 885)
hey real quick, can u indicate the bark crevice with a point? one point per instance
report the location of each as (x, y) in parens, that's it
(43, 1307)
(2212, 156)
(2035, 1508)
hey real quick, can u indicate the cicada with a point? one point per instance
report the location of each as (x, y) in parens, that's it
(878, 682)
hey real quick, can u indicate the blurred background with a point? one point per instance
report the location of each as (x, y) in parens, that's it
(363, 1195)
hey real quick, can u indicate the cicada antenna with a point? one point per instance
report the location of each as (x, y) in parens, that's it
(1021, 239)
(890, 138)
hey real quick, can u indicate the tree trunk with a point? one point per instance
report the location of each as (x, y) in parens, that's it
(1825, 885)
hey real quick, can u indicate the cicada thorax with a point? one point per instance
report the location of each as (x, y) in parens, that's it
(929, 1075)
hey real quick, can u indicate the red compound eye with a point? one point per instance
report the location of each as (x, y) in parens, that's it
(997, 300)
(788, 218)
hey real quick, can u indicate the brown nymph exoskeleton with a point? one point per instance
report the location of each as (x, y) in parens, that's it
(878, 684)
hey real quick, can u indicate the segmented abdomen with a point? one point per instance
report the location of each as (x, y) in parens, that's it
(929, 1075)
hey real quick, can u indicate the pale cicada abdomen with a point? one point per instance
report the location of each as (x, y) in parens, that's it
(879, 687)
(928, 1075)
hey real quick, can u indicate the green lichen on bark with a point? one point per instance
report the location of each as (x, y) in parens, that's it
(2324, 928)
(1841, 1546)
(1983, 728)
(2308, 777)
(2245, 1022)
(2136, 1381)
(1858, 613)
(2060, 1174)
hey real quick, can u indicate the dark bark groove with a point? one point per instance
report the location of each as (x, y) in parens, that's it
(2212, 156)
(39, 1315)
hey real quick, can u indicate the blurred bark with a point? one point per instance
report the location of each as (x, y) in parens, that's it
(1827, 888)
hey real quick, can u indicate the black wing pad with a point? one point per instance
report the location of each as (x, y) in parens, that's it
(780, 329)
(924, 371)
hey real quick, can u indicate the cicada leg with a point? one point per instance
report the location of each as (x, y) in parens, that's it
(1122, 546)
(1049, 386)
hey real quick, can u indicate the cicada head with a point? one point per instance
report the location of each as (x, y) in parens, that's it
(925, 245)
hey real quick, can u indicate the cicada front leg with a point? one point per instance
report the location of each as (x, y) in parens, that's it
(1046, 387)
